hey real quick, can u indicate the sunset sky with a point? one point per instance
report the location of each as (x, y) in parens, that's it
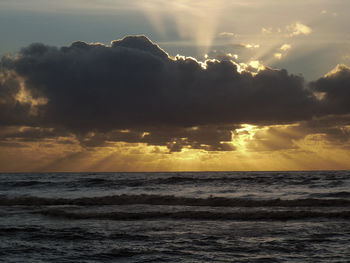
(159, 85)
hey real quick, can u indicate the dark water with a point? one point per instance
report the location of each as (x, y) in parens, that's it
(175, 217)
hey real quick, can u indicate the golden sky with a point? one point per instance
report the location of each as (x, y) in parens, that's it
(258, 85)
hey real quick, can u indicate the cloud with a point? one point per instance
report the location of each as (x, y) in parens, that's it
(291, 30)
(325, 12)
(285, 47)
(30, 134)
(227, 35)
(132, 91)
(333, 131)
(250, 45)
(266, 30)
(335, 90)
(298, 29)
(12, 112)
(277, 55)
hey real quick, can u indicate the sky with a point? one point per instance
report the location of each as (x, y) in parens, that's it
(180, 85)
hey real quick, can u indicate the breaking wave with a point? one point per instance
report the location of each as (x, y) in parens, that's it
(343, 194)
(171, 201)
(199, 215)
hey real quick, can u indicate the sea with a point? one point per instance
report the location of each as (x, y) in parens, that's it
(175, 217)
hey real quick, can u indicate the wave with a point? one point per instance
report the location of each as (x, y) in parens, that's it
(200, 215)
(342, 194)
(120, 253)
(171, 201)
(18, 230)
(120, 180)
(101, 182)
(174, 180)
(24, 183)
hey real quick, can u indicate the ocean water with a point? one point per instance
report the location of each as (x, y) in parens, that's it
(175, 217)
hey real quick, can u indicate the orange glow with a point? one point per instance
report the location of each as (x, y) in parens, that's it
(257, 148)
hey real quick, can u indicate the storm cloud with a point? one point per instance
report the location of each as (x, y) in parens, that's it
(334, 88)
(132, 91)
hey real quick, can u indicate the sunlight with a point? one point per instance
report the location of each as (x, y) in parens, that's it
(25, 97)
(242, 136)
(195, 20)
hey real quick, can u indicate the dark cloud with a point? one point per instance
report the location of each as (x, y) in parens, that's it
(31, 133)
(335, 89)
(211, 138)
(132, 91)
(333, 130)
(22, 136)
(12, 112)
